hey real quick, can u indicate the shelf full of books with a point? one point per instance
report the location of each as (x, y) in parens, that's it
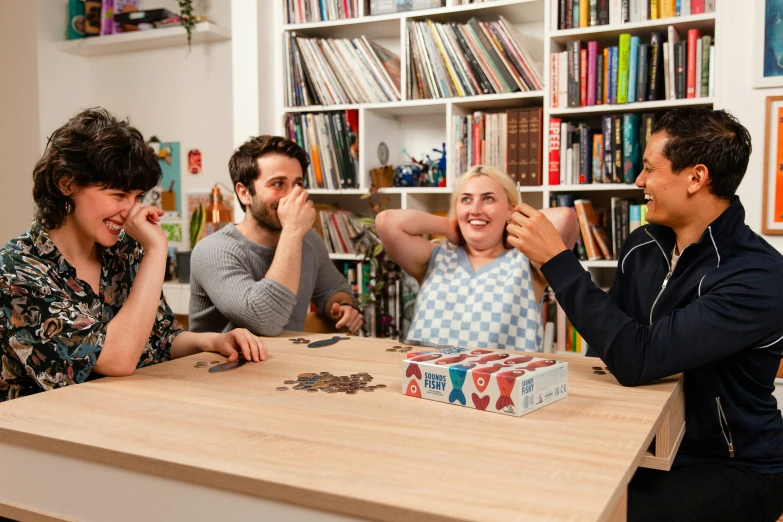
(580, 14)
(664, 67)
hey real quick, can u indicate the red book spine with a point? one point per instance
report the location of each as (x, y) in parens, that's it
(697, 7)
(693, 36)
(554, 151)
(583, 78)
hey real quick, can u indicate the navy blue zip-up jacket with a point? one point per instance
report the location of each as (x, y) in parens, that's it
(718, 318)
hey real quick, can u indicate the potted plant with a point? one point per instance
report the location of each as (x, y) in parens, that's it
(197, 221)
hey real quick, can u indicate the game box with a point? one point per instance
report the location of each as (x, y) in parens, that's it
(512, 383)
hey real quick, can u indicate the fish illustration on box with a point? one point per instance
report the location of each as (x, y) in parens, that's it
(457, 375)
(479, 351)
(480, 403)
(481, 376)
(452, 360)
(541, 363)
(517, 360)
(413, 367)
(524, 382)
(493, 357)
(506, 382)
(413, 389)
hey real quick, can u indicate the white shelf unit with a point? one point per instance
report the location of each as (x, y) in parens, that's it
(203, 32)
(418, 125)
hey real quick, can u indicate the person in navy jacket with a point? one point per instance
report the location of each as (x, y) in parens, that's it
(696, 292)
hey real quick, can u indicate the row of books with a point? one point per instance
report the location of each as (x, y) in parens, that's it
(603, 233)
(453, 59)
(324, 71)
(327, 138)
(510, 140)
(306, 11)
(633, 71)
(579, 154)
(559, 334)
(573, 14)
(482, 139)
(338, 228)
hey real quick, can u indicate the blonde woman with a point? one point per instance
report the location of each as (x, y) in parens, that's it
(475, 289)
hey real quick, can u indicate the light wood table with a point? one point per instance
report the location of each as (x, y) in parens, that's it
(175, 442)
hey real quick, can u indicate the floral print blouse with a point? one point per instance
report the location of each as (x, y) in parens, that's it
(53, 325)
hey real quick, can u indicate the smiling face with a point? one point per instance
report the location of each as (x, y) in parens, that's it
(482, 209)
(99, 213)
(666, 193)
(279, 175)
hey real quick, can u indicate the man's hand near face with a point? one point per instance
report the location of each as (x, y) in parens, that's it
(296, 212)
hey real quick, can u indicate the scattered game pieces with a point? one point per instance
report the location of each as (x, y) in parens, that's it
(400, 348)
(201, 364)
(215, 362)
(329, 383)
(327, 342)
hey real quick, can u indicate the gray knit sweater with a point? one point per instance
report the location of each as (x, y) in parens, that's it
(228, 289)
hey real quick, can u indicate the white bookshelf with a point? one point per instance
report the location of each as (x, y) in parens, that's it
(410, 123)
(203, 32)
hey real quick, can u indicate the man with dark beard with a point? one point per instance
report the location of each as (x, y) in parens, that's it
(263, 273)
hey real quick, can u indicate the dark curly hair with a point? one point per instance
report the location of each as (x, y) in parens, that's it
(715, 139)
(92, 149)
(244, 168)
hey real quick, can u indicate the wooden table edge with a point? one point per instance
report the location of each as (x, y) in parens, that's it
(274, 491)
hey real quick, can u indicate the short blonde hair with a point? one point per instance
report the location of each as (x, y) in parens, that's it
(509, 187)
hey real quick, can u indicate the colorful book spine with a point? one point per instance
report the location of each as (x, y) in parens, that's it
(693, 36)
(599, 79)
(583, 77)
(606, 124)
(624, 49)
(632, 157)
(642, 76)
(705, 65)
(592, 50)
(655, 87)
(613, 74)
(554, 151)
(598, 156)
(633, 63)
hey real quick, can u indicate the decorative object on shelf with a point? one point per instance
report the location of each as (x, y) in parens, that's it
(772, 198)
(194, 161)
(186, 18)
(768, 44)
(407, 175)
(218, 214)
(383, 153)
(382, 177)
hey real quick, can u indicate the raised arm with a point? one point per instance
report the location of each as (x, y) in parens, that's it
(401, 232)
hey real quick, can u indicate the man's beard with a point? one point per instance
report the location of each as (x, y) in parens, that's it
(265, 216)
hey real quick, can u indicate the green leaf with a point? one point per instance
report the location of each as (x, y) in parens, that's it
(377, 250)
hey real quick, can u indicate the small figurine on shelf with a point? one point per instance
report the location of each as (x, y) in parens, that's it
(438, 168)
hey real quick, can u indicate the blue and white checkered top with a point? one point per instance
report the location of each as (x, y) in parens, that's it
(493, 307)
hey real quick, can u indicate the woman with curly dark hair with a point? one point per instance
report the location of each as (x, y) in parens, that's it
(81, 291)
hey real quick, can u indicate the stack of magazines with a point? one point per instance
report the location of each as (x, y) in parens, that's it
(453, 59)
(324, 71)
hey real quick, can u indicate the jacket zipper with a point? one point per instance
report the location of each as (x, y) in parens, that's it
(724, 422)
(668, 274)
(666, 279)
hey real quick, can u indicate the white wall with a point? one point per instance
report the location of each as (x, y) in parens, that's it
(735, 94)
(19, 131)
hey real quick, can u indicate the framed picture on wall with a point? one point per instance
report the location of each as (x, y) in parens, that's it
(768, 46)
(772, 198)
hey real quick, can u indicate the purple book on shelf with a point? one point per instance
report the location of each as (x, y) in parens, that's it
(592, 51)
